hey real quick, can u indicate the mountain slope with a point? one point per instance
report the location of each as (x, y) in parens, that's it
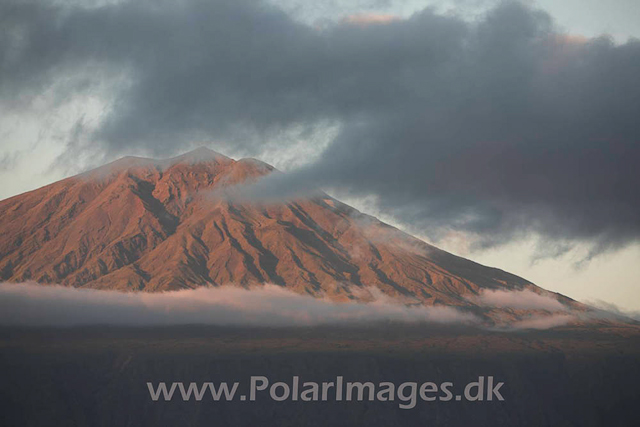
(142, 224)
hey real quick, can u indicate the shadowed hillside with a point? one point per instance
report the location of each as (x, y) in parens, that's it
(97, 376)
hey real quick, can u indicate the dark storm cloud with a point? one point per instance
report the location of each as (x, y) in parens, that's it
(499, 127)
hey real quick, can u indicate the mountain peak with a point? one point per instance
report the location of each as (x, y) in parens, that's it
(158, 225)
(201, 154)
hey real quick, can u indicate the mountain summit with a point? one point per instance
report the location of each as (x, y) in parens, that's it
(147, 225)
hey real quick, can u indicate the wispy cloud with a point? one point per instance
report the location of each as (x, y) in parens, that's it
(544, 311)
(544, 322)
(612, 309)
(523, 299)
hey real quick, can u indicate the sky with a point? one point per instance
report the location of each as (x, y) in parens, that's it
(505, 132)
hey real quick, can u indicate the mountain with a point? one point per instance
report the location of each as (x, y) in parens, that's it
(146, 225)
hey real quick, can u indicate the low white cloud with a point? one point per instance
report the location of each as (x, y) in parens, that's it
(544, 311)
(520, 300)
(32, 304)
(544, 322)
(608, 310)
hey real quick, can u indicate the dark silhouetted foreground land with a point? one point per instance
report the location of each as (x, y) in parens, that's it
(96, 376)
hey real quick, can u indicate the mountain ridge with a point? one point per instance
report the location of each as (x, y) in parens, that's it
(140, 224)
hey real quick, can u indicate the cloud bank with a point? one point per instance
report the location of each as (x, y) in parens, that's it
(497, 127)
(30, 304)
(271, 305)
(557, 315)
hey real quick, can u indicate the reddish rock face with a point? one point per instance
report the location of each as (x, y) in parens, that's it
(145, 225)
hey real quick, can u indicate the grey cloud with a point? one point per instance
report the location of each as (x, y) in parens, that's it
(500, 127)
